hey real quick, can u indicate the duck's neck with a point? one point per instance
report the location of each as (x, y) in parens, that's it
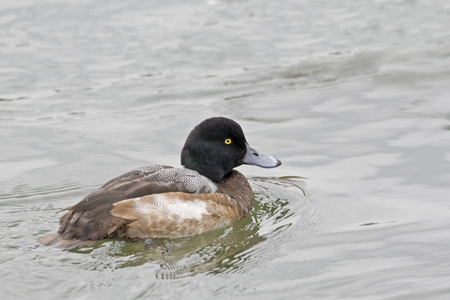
(237, 187)
(203, 165)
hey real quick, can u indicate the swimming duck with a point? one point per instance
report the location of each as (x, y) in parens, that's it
(159, 201)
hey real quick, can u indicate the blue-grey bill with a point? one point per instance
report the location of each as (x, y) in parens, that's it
(253, 157)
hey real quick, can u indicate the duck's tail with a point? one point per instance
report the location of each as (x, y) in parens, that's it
(55, 239)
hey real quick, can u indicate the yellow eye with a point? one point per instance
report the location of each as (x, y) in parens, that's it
(228, 141)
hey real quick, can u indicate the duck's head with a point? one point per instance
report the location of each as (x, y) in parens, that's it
(217, 145)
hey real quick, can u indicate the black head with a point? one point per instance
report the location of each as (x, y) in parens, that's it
(216, 146)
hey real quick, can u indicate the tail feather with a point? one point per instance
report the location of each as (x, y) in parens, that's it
(55, 239)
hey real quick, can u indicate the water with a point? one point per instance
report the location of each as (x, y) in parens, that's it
(352, 96)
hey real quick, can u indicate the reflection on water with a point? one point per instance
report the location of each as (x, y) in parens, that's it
(279, 204)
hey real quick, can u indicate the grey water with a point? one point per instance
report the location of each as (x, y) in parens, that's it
(352, 96)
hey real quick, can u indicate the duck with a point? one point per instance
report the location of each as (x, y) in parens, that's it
(159, 201)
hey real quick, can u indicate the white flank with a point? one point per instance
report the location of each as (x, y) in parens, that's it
(186, 209)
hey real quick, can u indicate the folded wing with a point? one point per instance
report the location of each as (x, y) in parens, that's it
(91, 218)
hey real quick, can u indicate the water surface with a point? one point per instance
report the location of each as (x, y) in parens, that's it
(351, 96)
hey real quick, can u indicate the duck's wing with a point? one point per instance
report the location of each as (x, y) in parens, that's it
(144, 180)
(91, 219)
(171, 215)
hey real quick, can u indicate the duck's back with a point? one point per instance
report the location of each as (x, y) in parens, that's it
(91, 218)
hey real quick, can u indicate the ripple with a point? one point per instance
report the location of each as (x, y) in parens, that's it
(16, 168)
(284, 212)
(26, 194)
